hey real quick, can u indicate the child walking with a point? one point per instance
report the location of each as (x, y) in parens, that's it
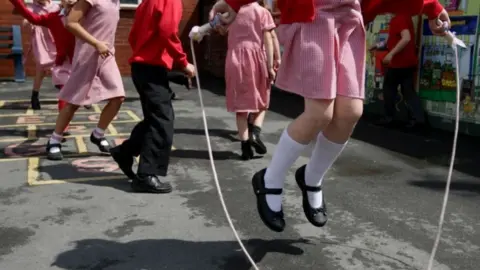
(249, 71)
(324, 62)
(94, 75)
(43, 48)
(64, 41)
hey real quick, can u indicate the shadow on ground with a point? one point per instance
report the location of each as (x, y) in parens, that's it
(433, 146)
(96, 254)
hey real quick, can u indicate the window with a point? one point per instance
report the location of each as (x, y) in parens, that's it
(124, 4)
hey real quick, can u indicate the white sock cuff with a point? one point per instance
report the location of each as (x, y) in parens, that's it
(327, 144)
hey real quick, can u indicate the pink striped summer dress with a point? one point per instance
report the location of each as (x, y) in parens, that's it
(325, 58)
(42, 44)
(246, 75)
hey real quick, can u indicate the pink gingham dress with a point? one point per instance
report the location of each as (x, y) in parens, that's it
(92, 78)
(325, 58)
(246, 75)
(42, 44)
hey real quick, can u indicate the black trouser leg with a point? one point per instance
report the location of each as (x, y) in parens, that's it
(414, 104)
(390, 85)
(152, 138)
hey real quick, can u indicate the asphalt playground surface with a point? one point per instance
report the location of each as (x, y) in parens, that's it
(384, 196)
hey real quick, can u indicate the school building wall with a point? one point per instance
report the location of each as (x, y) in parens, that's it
(123, 52)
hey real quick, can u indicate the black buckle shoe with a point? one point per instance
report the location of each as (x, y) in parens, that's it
(150, 184)
(124, 161)
(273, 220)
(98, 143)
(254, 137)
(247, 152)
(56, 155)
(35, 102)
(316, 216)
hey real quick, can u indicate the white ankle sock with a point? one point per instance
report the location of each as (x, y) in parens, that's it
(323, 156)
(286, 153)
(55, 139)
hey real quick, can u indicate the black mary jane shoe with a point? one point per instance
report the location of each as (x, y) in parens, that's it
(150, 184)
(316, 216)
(54, 156)
(98, 143)
(273, 220)
(124, 161)
(247, 152)
(35, 103)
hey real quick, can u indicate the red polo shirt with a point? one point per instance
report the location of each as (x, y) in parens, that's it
(407, 57)
(154, 35)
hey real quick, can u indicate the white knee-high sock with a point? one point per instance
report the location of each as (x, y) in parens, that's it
(323, 156)
(286, 153)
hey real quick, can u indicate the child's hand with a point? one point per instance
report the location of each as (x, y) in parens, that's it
(189, 70)
(276, 64)
(25, 23)
(103, 50)
(272, 74)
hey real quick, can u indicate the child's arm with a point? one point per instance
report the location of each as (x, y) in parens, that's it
(269, 47)
(79, 10)
(277, 56)
(29, 15)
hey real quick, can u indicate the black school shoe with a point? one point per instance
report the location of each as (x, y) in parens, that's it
(124, 161)
(54, 156)
(35, 102)
(318, 216)
(247, 152)
(98, 143)
(273, 220)
(150, 184)
(255, 140)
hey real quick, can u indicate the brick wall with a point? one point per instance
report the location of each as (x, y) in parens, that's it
(190, 18)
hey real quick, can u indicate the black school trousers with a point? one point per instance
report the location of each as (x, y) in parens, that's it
(405, 78)
(152, 138)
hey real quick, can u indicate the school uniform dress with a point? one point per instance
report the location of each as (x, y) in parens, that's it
(42, 43)
(94, 79)
(324, 42)
(246, 72)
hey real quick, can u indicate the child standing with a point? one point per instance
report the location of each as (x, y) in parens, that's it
(324, 62)
(95, 75)
(249, 71)
(156, 49)
(43, 48)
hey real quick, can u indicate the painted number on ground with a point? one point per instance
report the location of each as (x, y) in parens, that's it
(95, 164)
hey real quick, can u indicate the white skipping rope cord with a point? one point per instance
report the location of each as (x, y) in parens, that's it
(452, 163)
(212, 163)
(447, 188)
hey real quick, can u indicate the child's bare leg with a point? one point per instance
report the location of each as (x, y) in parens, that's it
(108, 113)
(37, 84)
(317, 115)
(242, 126)
(329, 145)
(54, 143)
(255, 128)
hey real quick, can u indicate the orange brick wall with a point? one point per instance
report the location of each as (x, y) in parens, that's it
(7, 17)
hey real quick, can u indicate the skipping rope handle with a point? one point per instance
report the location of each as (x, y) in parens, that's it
(198, 32)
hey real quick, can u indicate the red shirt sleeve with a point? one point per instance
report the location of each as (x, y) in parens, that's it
(169, 20)
(432, 8)
(237, 4)
(29, 15)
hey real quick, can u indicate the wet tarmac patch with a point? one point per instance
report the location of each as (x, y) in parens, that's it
(12, 237)
(63, 214)
(127, 228)
(9, 196)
